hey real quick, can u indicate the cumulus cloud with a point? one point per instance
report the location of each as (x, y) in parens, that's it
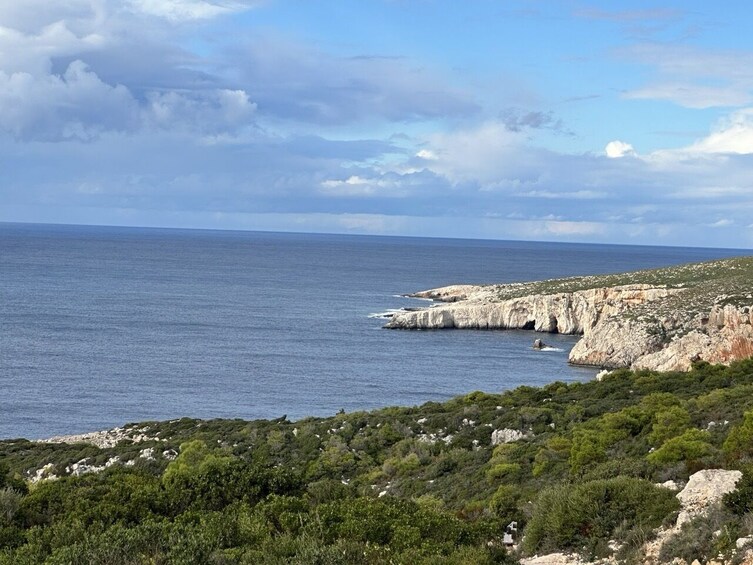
(159, 119)
(75, 105)
(49, 91)
(733, 134)
(616, 149)
(209, 112)
(475, 154)
(132, 52)
(427, 155)
(79, 105)
(33, 52)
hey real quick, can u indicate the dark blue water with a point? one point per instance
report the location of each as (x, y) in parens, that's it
(103, 326)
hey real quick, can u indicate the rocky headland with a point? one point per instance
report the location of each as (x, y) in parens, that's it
(659, 319)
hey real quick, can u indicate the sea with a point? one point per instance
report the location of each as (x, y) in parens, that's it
(102, 326)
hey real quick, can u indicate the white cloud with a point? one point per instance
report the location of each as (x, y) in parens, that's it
(695, 96)
(391, 186)
(571, 195)
(75, 105)
(186, 10)
(616, 149)
(723, 223)
(574, 228)
(476, 154)
(302, 82)
(426, 155)
(208, 112)
(732, 135)
(352, 186)
(694, 77)
(33, 52)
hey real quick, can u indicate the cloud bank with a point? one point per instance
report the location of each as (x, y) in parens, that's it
(144, 112)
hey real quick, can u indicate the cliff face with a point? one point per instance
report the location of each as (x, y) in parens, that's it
(567, 313)
(632, 325)
(725, 335)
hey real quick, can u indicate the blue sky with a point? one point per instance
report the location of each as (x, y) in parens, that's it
(561, 121)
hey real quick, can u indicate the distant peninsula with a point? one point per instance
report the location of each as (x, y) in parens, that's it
(660, 319)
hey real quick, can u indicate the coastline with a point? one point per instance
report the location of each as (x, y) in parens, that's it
(663, 319)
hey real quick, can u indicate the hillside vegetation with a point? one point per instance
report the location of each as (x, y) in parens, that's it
(715, 277)
(398, 485)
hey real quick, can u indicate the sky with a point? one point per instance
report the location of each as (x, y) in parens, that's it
(606, 122)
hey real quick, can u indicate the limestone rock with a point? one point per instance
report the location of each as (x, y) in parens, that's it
(601, 374)
(106, 438)
(44, 474)
(705, 488)
(506, 435)
(671, 485)
(612, 336)
(615, 343)
(562, 559)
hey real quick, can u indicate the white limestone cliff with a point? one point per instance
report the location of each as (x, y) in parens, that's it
(613, 335)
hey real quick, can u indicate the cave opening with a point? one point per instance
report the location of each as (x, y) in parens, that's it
(529, 325)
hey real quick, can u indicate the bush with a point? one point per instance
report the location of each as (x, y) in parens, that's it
(739, 442)
(740, 500)
(689, 447)
(577, 516)
(703, 538)
(669, 423)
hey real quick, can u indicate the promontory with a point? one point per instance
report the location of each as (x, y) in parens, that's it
(660, 319)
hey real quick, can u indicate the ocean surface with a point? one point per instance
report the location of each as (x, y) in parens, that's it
(101, 326)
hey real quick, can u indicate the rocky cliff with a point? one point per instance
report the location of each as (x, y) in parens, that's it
(662, 319)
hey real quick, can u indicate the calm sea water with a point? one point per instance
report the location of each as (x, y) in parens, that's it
(103, 326)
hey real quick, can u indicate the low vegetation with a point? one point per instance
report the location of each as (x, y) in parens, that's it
(704, 285)
(398, 485)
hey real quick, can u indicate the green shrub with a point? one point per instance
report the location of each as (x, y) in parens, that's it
(669, 423)
(739, 442)
(577, 516)
(504, 471)
(740, 500)
(689, 447)
(703, 538)
(504, 503)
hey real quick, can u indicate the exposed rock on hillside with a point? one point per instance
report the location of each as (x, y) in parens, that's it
(662, 319)
(704, 489)
(105, 438)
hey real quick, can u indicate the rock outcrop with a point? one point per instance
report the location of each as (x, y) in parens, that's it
(642, 326)
(507, 435)
(106, 438)
(704, 489)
